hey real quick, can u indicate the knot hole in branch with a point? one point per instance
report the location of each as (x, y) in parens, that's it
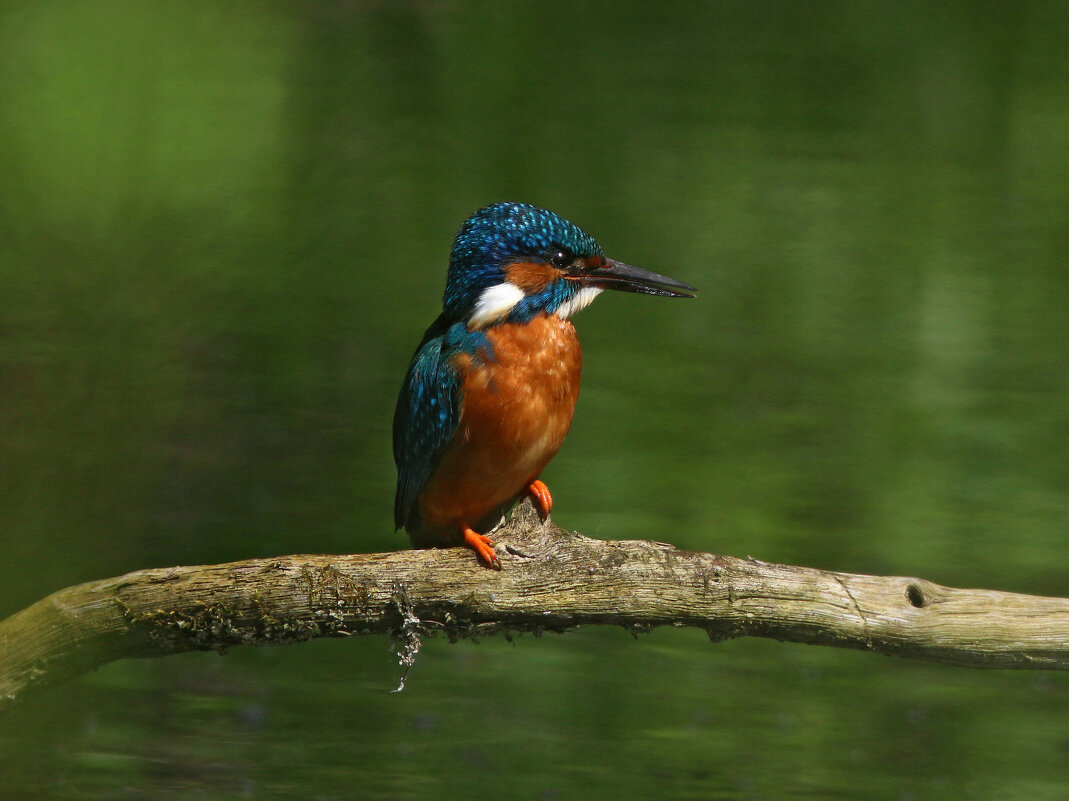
(915, 596)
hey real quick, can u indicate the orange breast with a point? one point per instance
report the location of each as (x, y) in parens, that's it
(517, 409)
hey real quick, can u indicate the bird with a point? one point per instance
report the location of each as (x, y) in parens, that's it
(490, 391)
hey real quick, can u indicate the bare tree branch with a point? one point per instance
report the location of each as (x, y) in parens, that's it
(552, 580)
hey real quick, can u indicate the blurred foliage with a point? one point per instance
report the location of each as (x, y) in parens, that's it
(223, 228)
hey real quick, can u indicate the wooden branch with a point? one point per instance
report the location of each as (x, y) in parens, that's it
(552, 580)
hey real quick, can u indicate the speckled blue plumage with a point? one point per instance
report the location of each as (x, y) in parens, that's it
(506, 232)
(428, 411)
(428, 408)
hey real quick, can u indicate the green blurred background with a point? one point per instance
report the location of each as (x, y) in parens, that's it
(224, 226)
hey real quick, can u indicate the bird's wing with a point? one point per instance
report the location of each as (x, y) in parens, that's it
(427, 414)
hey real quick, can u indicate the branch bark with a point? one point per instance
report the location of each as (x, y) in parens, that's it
(552, 580)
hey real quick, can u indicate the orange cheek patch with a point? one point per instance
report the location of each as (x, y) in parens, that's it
(530, 276)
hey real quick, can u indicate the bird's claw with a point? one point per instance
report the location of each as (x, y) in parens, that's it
(483, 546)
(538, 492)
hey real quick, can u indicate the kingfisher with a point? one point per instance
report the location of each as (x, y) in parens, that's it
(491, 389)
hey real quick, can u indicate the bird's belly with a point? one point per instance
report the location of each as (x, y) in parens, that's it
(517, 409)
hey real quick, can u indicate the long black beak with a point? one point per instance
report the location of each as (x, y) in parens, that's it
(624, 277)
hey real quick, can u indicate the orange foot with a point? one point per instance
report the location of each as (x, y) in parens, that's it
(539, 495)
(482, 545)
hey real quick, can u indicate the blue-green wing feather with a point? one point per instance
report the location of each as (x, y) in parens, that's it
(426, 417)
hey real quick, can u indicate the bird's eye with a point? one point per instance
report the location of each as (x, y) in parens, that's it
(561, 259)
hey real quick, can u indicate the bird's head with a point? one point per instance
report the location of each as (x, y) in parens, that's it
(513, 261)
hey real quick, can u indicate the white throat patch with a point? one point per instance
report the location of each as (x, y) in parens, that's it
(495, 303)
(579, 301)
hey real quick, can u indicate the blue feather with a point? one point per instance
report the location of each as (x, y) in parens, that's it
(428, 411)
(506, 232)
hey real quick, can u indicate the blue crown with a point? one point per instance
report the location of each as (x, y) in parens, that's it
(498, 235)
